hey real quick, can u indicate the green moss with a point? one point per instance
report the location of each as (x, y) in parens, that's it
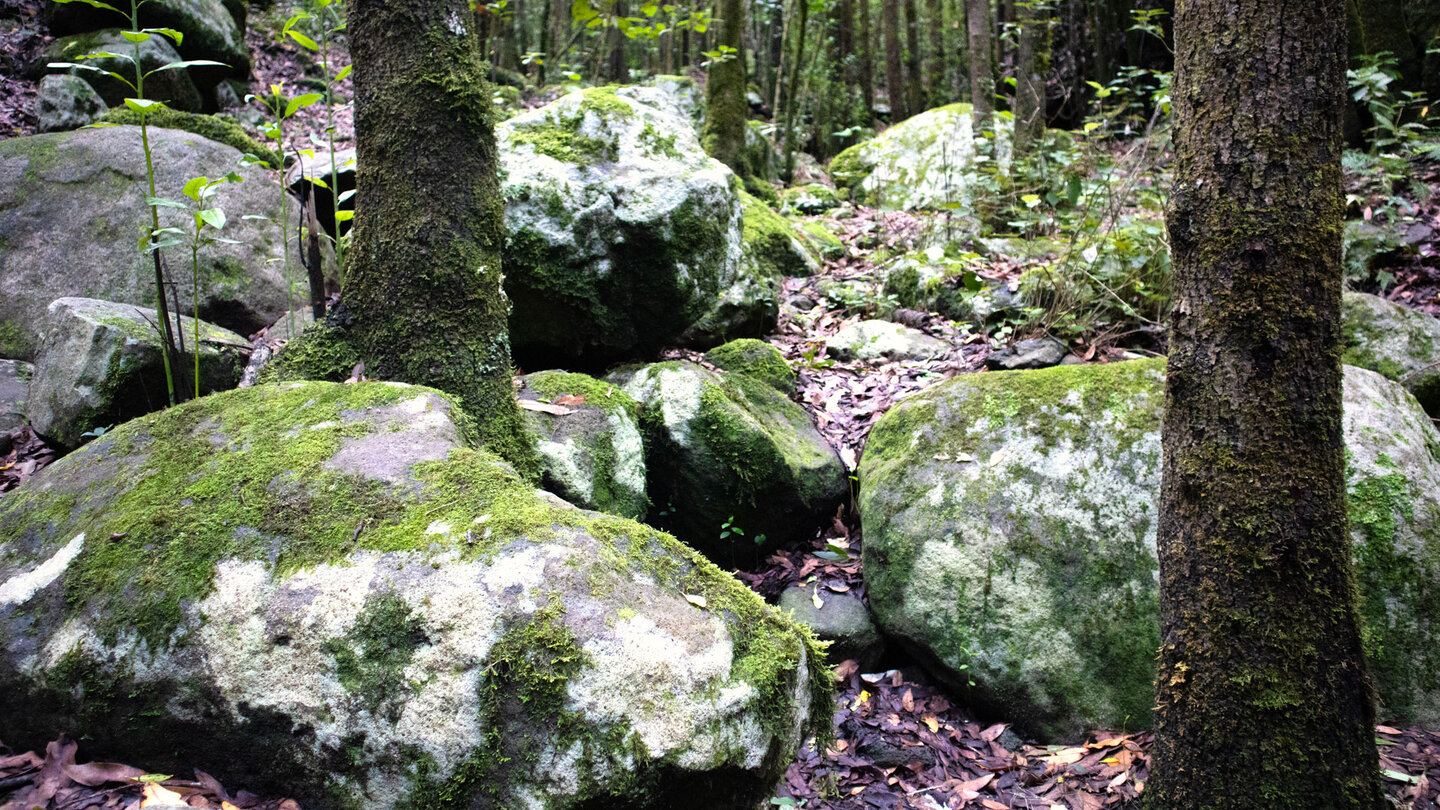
(551, 385)
(657, 144)
(757, 359)
(370, 660)
(15, 343)
(770, 240)
(559, 136)
(821, 241)
(214, 127)
(322, 352)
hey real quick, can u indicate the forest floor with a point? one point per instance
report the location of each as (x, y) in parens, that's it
(901, 741)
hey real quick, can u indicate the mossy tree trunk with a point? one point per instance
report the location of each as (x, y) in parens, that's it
(866, 54)
(1032, 63)
(981, 28)
(792, 92)
(914, 80)
(725, 107)
(1263, 697)
(894, 72)
(423, 302)
(935, 67)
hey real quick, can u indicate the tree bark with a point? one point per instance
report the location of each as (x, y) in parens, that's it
(1262, 693)
(894, 76)
(792, 93)
(423, 302)
(725, 107)
(935, 66)
(866, 54)
(1031, 64)
(914, 92)
(981, 27)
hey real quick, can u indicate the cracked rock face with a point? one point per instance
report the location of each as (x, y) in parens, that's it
(323, 588)
(1010, 525)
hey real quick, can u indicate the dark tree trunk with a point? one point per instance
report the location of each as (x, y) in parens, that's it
(1032, 57)
(725, 107)
(894, 71)
(914, 91)
(422, 298)
(866, 55)
(981, 29)
(1262, 693)
(792, 92)
(939, 89)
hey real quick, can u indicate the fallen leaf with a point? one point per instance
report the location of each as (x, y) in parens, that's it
(1387, 730)
(908, 700)
(155, 795)
(545, 407)
(989, 734)
(94, 774)
(570, 399)
(697, 600)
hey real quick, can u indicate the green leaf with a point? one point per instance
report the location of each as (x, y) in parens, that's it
(136, 37)
(96, 4)
(581, 11)
(144, 105)
(187, 64)
(1398, 776)
(300, 102)
(344, 216)
(305, 42)
(347, 195)
(213, 217)
(296, 20)
(344, 73)
(192, 188)
(315, 181)
(106, 55)
(163, 202)
(177, 36)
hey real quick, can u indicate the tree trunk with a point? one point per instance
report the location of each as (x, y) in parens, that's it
(914, 90)
(792, 93)
(866, 55)
(725, 107)
(938, 88)
(1262, 693)
(1031, 65)
(982, 65)
(894, 76)
(423, 302)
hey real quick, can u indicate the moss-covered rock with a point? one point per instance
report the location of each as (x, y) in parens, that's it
(1400, 343)
(839, 618)
(925, 161)
(592, 455)
(812, 198)
(1010, 524)
(15, 378)
(622, 232)
(729, 452)
(755, 358)
(774, 242)
(218, 128)
(72, 209)
(65, 102)
(759, 156)
(872, 340)
(100, 364)
(210, 30)
(174, 87)
(322, 589)
(932, 281)
(679, 95)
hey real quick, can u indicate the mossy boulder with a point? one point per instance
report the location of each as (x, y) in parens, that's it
(839, 618)
(773, 242)
(623, 233)
(926, 161)
(877, 340)
(174, 87)
(1400, 343)
(1010, 524)
(100, 363)
(15, 378)
(65, 102)
(729, 452)
(218, 128)
(757, 359)
(759, 157)
(591, 452)
(932, 281)
(679, 95)
(322, 590)
(72, 211)
(210, 30)
(812, 198)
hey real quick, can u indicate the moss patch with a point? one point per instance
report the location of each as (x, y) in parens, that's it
(757, 359)
(216, 128)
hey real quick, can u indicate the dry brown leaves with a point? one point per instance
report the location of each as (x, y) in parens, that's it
(29, 454)
(56, 782)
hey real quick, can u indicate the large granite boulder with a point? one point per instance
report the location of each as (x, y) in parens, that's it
(622, 231)
(15, 377)
(100, 363)
(65, 102)
(1400, 343)
(1010, 523)
(925, 161)
(319, 589)
(210, 30)
(72, 212)
(174, 87)
(587, 434)
(735, 468)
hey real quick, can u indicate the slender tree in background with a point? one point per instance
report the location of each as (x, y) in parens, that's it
(981, 27)
(914, 88)
(866, 52)
(725, 107)
(894, 72)
(937, 86)
(422, 301)
(1032, 57)
(1263, 699)
(792, 91)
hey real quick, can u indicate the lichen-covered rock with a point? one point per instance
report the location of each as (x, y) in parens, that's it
(1400, 343)
(679, 95)
(923, 162)
(174, 87)
(839, 618)
(72, 210)
(755, 358)
(66, 102)
(592, 455)
(1010, 523)
(759, 156)
(319, 589)
(1041, 352)
(15, 377)
(883, 340)
(930, 280)
(210, 30)
(622, 231)
(812, 198)
(100, 364)
(729, 452)
(773, 242)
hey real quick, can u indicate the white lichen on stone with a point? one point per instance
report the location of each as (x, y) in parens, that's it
(19, 589)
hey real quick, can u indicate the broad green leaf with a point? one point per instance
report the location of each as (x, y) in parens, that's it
(305, 42)
(347, 195)
(344, 216)
(214, 217)
(296, 20)
(135, 36)
(582, 11)
(106, 55)
(187, 64)
(316, 181)
(649, 9)
(177, 36)
(163, 202)
(144, 105)
(301, 101)
(96, 4)
(192, 188)
(344, 73)
(226, 240)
